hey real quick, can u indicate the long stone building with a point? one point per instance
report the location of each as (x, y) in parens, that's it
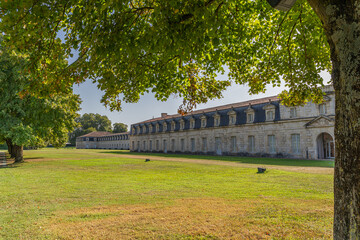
(261, 127)
(103, 140)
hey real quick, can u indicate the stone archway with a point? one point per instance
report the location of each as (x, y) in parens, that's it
(325, 146)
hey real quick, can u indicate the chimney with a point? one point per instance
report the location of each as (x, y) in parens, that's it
(163, 115)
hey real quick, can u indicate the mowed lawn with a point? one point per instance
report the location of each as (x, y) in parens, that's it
(107, 194)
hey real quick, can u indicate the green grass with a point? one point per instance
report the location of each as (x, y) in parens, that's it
(251, 160)
(55, 192)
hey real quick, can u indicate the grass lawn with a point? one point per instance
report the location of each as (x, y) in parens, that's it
(107, 194)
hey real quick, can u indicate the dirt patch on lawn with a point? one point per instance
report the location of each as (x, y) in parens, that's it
(197, 219)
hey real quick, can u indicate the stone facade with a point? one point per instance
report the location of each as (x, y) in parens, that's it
(261, 127)
(103, 140)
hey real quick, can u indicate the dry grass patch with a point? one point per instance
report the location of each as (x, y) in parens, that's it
(210, 218)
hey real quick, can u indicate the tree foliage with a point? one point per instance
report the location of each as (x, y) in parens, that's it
(92, 122)
(27, 120)
(120, 127)
(171, 47)
(130, 47)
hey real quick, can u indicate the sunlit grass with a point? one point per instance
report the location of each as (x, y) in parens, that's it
(92, 194)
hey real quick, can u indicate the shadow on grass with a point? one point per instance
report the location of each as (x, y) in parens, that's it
(239, 159)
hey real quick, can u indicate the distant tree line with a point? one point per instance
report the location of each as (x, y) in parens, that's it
(94, 122)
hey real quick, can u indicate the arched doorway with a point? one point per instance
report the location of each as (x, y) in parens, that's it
(325, 146)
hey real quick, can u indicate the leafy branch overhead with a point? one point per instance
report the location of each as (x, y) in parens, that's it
(169, 47)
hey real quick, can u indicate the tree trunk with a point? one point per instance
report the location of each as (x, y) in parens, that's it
(18, 152)
(340, 19)
(10, 148)
(343, 30)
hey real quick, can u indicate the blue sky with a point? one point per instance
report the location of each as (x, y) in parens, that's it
(148, 107)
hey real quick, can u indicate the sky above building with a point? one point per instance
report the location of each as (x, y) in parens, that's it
(148, 107)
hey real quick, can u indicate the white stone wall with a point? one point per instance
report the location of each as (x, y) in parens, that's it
(282, 131)
(308, 123)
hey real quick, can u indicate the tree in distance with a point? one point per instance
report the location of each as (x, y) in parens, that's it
(28, 120)
(178, 47)
(120, 127)
(94, 122)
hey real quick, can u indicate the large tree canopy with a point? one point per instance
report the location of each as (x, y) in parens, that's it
(26, 120)
(130, 47)
(171, 47)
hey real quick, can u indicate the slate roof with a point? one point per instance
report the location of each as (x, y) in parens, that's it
(103, 134)
(214, 109)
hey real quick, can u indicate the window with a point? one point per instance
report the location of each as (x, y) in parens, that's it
(150, 145)
(203, 121)
(182, 144)
(232, 117)
(250, 117)
(182, 124)
(164, 127)
(271, 143)
(173, 145)
(233, 144)
(164, 146)
(157, 127)
(295, 143)
(293, 112)
(157, 145)
(138, 130)
(192, 123)
(216, 120)
(138, 145)
(269, 115)
(192, 141)
(204, 144)
(251, 142)
(144, 145)
(150, 128)
(172, 125)
(322, 109)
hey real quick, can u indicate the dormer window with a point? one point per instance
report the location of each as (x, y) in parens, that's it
(216, 119)
(150, 128)
(133, 130)
(269, 111)
(293, 112)
(138, 129)
(322, 109)
(203, 121)
(182, 124)
(250, 114)
(164, 127)
(232, 117)
(269, 115)
(157, 127)
(192, 123)
(173, 125)
(250, 117)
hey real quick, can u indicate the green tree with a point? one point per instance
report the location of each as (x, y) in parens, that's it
(177, 47)
(120, 127)
(96, 121)
(27, 120)
(90, 122)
